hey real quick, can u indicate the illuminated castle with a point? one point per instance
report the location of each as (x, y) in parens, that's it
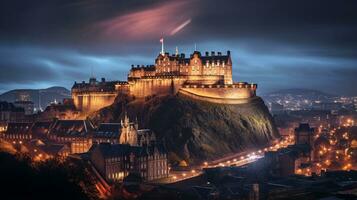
(205, 77)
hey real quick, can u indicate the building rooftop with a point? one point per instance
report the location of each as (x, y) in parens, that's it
(108, 150)
(114, 150)
(18, 128)
(71, 127)
(108, 130)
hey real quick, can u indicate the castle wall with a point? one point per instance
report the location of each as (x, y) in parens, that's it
(164, 85)
(93, 101)
(225, 94)
(144, 87)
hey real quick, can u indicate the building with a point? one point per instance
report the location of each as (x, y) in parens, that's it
(55, 150)
(204, 77)
(28, 106)
(125, 132)
(66, 111)
(115, 161)
(18, 131)
(41, 129)
(92, 96)
(295, 159)
(75, 133)
(9, 112)
(304, 134)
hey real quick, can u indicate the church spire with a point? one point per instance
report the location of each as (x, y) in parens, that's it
(177, 52)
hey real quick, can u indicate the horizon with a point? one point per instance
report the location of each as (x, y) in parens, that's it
(282, 45)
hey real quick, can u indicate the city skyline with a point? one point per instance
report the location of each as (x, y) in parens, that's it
(301, 44)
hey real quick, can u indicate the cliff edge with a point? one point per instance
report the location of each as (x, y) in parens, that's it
(194, 130)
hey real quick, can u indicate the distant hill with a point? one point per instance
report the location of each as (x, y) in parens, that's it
(46, 96)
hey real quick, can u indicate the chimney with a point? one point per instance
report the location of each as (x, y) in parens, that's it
(219, 53)
(103, 80)
(207, 53)
(83, 82)
(212, 53)
(132, 66)
(228, 53)
(137, 66)
(182, 55)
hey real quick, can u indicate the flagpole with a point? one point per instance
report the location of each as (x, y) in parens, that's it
(162, 46)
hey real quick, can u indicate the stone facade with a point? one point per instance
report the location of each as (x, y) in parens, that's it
(115, 161)
(206, 77)
(92, 96)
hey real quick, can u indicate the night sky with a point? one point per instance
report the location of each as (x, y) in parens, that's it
(277, 43)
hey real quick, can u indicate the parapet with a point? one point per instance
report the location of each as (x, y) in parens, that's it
(234, 85)
(237, 93)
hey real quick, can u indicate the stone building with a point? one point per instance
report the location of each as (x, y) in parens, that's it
(115, 161)
(28, 106)
(117, 133)
(304, 134)
(75, 133)
(18, 131)
(295, 159)
(10, 113)
(125, 132)
(65, 111)
(204, 77)
(92, 96)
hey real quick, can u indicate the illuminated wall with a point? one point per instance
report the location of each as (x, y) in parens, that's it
(225, 94)
(164, 85)
(155, 86)
(92, 101)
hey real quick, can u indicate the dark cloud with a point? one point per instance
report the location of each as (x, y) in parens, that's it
(276, 43)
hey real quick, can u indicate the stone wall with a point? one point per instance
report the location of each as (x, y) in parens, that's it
(89, 102)
(144, 87)
(164, 85)
(225, 94)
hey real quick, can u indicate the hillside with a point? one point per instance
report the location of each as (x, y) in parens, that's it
(195, 131)
(47, 95)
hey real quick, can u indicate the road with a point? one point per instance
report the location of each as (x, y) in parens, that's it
(238, 159)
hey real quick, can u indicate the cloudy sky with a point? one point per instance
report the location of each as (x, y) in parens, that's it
(277, 43)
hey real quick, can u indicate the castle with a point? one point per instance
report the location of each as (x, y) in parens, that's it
(205, 77)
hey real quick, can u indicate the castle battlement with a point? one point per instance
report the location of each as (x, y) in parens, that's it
(199, 76)
(235, 85)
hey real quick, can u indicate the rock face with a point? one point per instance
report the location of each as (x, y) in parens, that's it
(195, 130)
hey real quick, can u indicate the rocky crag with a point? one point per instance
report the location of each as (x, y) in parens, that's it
(193, 130)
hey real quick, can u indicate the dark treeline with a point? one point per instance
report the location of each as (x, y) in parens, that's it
(23, 179)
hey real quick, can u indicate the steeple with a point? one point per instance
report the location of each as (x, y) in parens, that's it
(177, 52)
